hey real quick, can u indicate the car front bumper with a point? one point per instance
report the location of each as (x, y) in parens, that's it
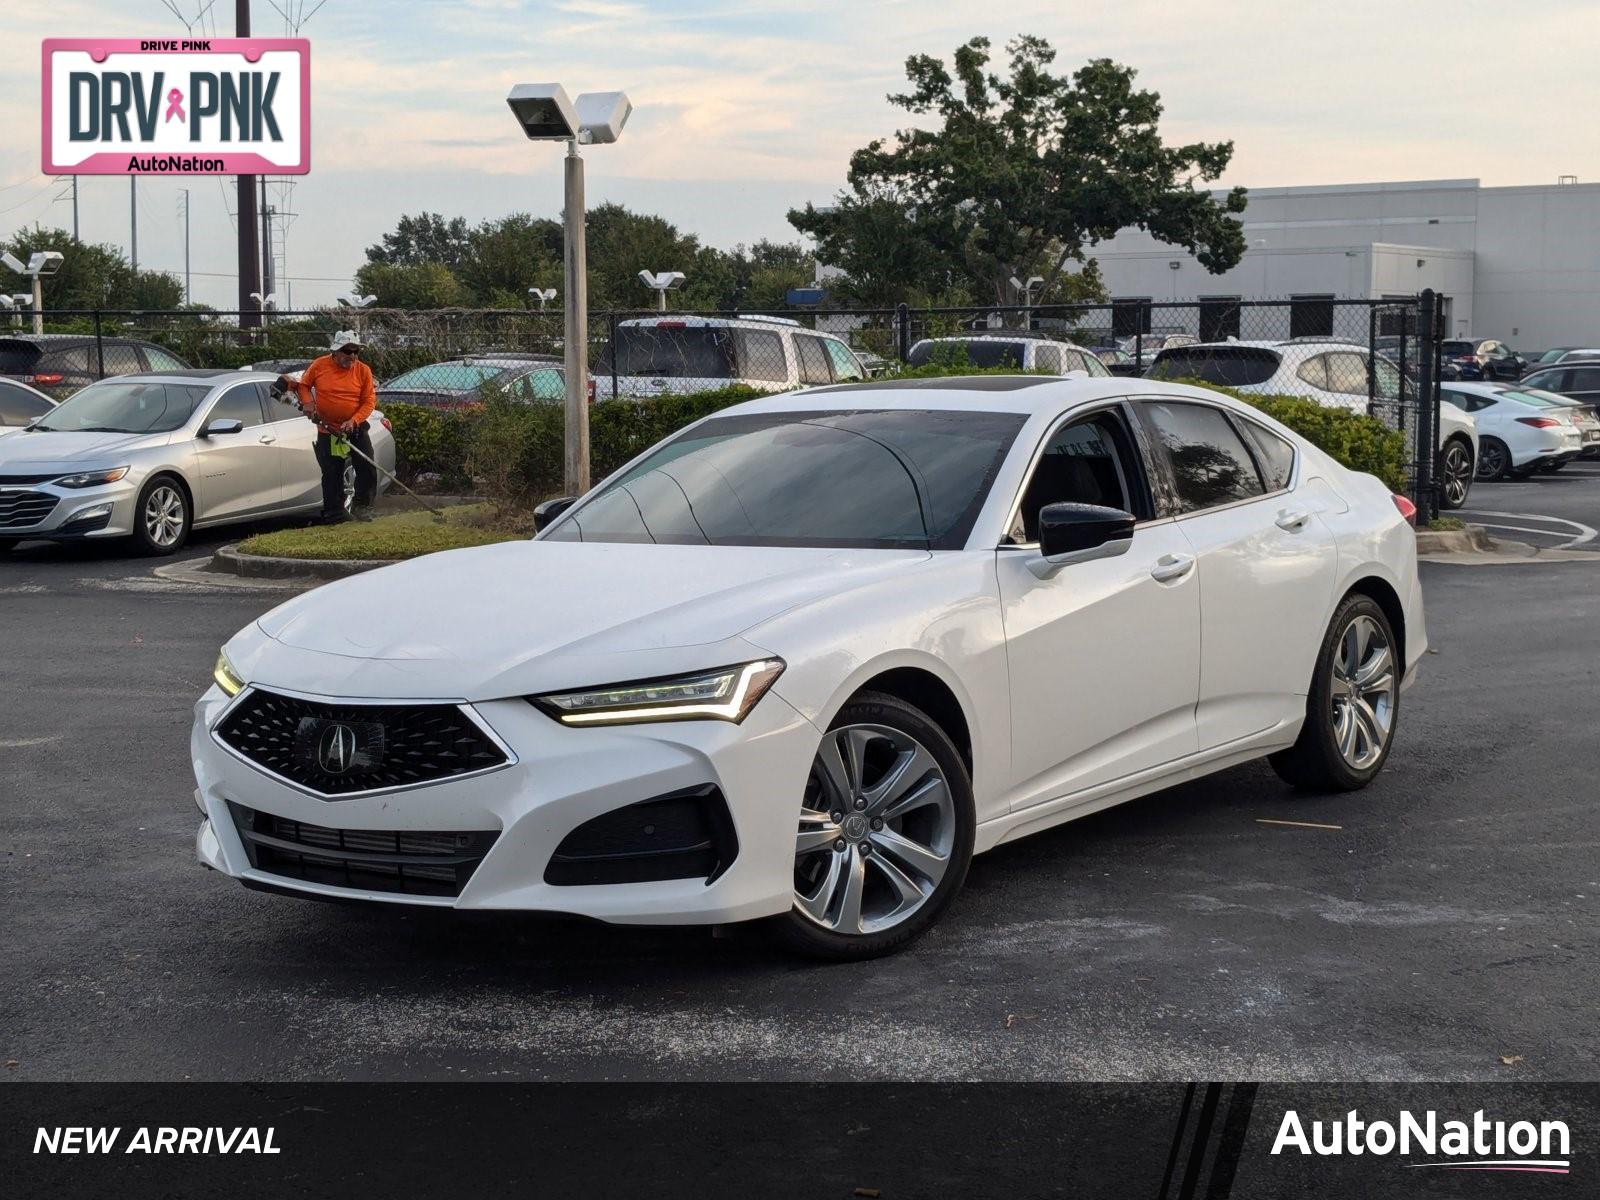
(107, 511)
(558, 778)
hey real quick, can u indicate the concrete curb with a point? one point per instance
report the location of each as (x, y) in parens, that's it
(254, 566)
(1454, 541)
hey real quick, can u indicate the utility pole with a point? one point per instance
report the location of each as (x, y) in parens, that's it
(188, 291)
(249, 262)
(74, 208)
(133, 220)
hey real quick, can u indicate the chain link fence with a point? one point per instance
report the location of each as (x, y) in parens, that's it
(1378, 357)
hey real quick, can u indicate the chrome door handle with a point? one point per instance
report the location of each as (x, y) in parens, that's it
(266, 439)
(1291, 518)
(1172, 566)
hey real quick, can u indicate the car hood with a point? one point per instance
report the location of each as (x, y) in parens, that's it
(521, 617)
(50, 449)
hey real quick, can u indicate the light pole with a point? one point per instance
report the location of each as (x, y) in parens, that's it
(547, 115)
(40, 263)
(1027, 296)
(358, 302)
(542, 295)
(265, 301)
(661, 282)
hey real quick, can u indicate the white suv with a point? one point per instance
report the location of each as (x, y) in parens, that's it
(1026, 351)
(1332, 373)
(676, 355)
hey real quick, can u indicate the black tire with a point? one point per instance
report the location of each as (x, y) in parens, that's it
(801, 934)
(152, 542)
(1494, 459)
(1315, 762)
(1456, 470)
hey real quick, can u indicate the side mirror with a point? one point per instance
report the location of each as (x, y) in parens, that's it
(222, 425)
(1074, 533)
(547, 512)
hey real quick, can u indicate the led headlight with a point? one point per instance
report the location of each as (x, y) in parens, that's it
(92, 478)
(227, 678)
(725, 694)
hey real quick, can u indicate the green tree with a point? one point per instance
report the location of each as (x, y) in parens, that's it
(508, 256)
(426, 237)
(91, 276)
(1019, 176)
(423, 285)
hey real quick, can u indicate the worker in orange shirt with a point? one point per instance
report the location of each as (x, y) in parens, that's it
(337, 392)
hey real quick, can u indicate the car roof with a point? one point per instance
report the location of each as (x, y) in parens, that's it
(742, 321)
(191, 375)
(1003, 335)
(1025, 394)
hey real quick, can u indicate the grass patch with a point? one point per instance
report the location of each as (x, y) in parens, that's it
(1444, 525)
(404, 535)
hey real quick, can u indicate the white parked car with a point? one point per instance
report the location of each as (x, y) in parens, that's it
(21, 405)
(804, 659)
(1024, 351)
(676, 355)
(151, 457)
(1520, 430)
(1332, 373)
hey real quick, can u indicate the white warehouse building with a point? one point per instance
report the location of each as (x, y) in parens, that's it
(1521, 264)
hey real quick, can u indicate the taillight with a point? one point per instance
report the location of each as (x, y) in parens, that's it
(591, 391)
(1407, 509)
(671, 325)
(1539, 422)
(43, 380)
(387, 424)
(1466, 358)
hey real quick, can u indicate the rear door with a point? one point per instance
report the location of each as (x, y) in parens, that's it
(239, 473)
(1266, 564)
(1104, 655)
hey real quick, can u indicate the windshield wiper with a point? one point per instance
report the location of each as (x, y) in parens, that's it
(92, 429)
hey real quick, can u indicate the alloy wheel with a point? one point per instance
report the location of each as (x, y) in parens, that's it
(1363, 693)
(877, 830)
(1491, 461)
(1457, 474)
(163, 516)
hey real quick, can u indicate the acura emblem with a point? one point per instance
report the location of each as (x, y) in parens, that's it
(336, 749)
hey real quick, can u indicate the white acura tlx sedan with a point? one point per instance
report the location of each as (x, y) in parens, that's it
(804, 659)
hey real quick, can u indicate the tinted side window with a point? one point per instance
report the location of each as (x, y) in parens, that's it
(1584, 379)
(68, 358)
(1315, 372)
(1210, 465)
(1274, 456)
(813, 360)
(238, 404)
(19, 408)
(160, 360)
(761, 356)
(1091, 461)
(846, 367)
(1347, 374)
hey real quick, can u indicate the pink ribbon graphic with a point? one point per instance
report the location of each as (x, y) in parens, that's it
(175, 105)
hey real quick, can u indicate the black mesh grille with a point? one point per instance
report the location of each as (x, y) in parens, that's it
(416, 862)
(683, 835)
(342, 749)
(14, 480)
(20, 510)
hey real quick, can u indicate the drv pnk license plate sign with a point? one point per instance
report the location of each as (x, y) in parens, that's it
(196, 106)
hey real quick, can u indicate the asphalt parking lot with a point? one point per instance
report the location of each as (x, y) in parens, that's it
(1445, 929)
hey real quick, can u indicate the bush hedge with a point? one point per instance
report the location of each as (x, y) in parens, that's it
(513, 451)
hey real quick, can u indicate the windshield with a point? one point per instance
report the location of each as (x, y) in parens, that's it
(1461, 349)
(883, 479)
(976, 352)
(671, 351)
(1234, 366)
(123, 406)
(451, 376)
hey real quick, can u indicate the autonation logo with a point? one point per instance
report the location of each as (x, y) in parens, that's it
(1476, 1145)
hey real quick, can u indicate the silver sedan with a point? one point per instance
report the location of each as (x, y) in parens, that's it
(153, 456)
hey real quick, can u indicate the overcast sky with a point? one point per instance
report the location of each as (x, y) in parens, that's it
(744, 108)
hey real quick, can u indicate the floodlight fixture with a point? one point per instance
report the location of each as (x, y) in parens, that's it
(544, 112)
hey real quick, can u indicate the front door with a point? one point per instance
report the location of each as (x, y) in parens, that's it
(1105, 655)
(238, 471)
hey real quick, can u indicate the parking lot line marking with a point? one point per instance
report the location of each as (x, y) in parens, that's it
(1585, 533)
(1296, 824)
(1521, 528)
(23, 743)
